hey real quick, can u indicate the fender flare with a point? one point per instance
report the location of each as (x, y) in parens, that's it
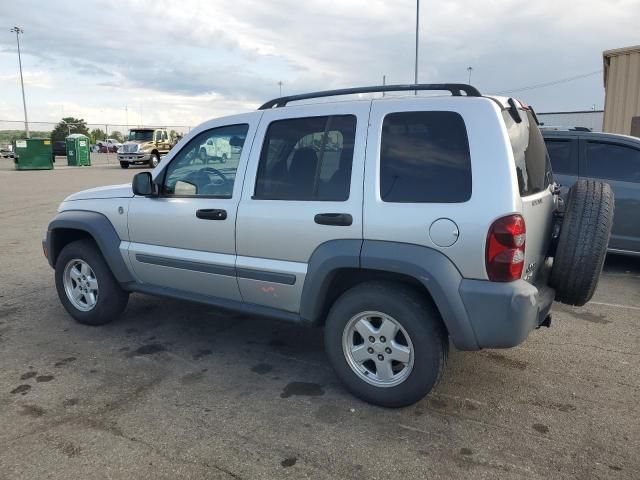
(100, 229)
(428, 266)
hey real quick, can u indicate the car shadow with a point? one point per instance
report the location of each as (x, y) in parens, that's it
(616, 263)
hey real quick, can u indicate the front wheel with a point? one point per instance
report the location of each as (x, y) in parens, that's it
(124, 164)
(86, 287)
(387, 343)
(154, 160)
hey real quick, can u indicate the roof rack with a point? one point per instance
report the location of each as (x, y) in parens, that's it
(456, 89)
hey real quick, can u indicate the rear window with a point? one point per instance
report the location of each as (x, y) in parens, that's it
(533, 167)
(424, 158)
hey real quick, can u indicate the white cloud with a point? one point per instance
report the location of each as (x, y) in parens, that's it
(184, 62)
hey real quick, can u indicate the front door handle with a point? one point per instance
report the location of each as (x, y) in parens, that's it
(337, 219)
(211, 214)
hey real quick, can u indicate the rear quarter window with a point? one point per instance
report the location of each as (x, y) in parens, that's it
(560, 156)
(424, 158)
(533, 167)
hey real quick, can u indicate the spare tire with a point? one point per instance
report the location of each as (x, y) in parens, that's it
(583, 240)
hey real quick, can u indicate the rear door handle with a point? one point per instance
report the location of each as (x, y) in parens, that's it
(337, 219)
(211, 214)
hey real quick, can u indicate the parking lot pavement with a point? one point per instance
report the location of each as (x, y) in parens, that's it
(177, 390)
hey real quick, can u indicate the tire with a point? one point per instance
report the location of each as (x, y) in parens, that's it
(583, 240)
(110, 299)
(223, 159)
(417, 318)
(154, 160)
(124, 164)
(202, 154)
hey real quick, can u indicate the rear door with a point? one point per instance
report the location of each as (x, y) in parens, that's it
(618, 164)
(534, 176)
(303, 188)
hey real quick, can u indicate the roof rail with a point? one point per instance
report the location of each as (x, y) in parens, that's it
(456, 90)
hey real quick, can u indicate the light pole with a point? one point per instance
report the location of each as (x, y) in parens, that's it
(415, 76)
(469, 69)
(68, 125)
(280, 85)
(18, 31)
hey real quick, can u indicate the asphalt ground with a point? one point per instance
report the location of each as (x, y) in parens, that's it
(179, 390)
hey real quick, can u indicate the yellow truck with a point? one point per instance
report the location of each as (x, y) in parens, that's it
(144, 145)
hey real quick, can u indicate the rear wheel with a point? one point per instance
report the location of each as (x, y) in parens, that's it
(86, 287)
(124, 164)
(386, 343)
(583, 240)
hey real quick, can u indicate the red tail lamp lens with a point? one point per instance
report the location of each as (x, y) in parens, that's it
(505, 249)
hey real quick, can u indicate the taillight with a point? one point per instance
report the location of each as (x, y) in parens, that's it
(504, 256)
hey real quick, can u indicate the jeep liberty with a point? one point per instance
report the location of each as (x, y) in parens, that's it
(400, 224)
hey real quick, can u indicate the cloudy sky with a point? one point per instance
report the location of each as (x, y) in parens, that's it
(182, 62)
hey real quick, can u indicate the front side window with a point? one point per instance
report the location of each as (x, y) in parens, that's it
(613, 162)
(307, 159)
(424, 158)
(533, 167)
(191, 173)
(560, 156)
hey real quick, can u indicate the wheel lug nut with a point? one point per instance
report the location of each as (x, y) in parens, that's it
(380, 357)
(370, 350)
(388, 350)
(382, 339)
(372, 340)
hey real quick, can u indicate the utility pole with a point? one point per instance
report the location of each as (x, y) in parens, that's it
(469, 69)
(384, 82)
(280, 85)
(18, 31)
(415, 79)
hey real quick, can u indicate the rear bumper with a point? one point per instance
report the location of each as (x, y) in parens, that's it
(503, 314)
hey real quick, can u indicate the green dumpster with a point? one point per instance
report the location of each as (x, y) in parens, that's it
(33, 154)
(78, 150)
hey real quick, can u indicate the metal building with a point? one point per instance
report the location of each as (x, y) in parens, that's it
(622, 90)
(591, 119)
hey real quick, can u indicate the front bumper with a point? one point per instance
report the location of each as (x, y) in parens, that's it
(503, 314)
(138, 157)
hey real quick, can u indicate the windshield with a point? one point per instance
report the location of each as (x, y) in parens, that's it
(141, 135)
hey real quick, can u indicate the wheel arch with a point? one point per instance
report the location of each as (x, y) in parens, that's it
(338, 265)
(73, 225)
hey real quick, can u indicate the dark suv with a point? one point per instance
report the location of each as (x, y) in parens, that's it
(614, 159)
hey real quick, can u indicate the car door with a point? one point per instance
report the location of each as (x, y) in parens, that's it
(184, 238)
(303, 188)
(617, 163)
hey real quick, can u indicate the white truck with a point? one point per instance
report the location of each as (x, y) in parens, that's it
(215, 150)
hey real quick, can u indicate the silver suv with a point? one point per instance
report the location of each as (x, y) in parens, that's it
(400, 224)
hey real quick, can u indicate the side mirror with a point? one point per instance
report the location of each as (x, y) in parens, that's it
(142, 184)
